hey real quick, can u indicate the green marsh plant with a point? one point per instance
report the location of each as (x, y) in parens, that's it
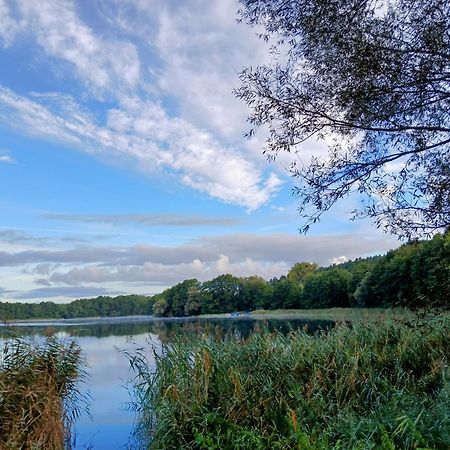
(369, 385)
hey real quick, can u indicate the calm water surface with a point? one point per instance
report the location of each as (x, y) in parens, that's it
(103, 340)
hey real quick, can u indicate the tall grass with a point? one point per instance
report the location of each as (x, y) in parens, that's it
(373, 385)
(39, 399)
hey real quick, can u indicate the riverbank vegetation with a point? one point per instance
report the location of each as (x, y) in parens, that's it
(415, 275)
(372, 385)
(39, 399)
(103, 306)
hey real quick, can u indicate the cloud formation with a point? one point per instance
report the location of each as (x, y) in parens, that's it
(56, 27)
(143, 219)
(145, 84)
(268, 248)
(198, 143)
(154, 267)
(70, 292)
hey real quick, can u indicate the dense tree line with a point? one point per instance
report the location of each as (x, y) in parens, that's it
(103, 306)
(415, 275)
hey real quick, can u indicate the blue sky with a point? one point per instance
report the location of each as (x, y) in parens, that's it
(123, 166)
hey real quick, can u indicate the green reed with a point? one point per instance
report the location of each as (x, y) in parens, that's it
(370, 385)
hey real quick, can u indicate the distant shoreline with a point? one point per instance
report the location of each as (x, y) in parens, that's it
(311, 314)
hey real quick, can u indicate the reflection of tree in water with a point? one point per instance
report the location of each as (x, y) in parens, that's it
(168, 328)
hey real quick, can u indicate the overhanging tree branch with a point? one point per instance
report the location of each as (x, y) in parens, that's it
(375, 76)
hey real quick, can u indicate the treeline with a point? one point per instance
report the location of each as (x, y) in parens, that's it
(103, 306)
(415, 275)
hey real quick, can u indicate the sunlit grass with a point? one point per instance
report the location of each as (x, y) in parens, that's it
(380, 384)
(39, 399)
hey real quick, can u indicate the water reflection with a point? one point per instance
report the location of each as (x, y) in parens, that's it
(112, 419)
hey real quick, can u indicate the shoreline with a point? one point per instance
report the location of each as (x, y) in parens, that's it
(280, 314)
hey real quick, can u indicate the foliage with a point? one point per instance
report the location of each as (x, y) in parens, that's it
(415, 275)
(372, 77)
(103, 306)
(299, 272)
(327, 289)
(39, 398)
(372, 385)
(224, 293)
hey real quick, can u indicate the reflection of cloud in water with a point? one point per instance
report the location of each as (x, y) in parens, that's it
(109, 371)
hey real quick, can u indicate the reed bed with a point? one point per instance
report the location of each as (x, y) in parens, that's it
(39, 398)
(370, 385)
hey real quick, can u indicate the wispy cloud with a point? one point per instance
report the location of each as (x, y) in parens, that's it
(6, 159)
(15, 236)
(8, 24)
(5, 156)
(199, 143)
(65, 291)
(145, 134)
(143, 219)
(54, 25)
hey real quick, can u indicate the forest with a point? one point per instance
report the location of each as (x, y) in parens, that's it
(415, 275)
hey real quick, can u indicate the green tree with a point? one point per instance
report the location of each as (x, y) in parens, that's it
(286, 294)
(416, 274)
(430, 273)
(299, 272)
(224, 292)
(194, 300)
(256, 293)
(160, 307)
(177, 296)
(327, 289)
(373, 76)
(390, 281)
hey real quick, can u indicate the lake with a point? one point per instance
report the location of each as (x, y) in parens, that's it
(103, 342)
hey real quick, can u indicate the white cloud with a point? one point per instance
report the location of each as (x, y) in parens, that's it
(56, 27)
(197, 51)
(200, 41)
(223, 264)
(156, 274)
(8, 25)
(6, 159)
(145, 134)
(266, 248)
(339, 260)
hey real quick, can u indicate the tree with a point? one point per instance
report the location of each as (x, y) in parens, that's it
(256, 293)
(286, 293)
(327, 289)
(299, 272)
(193, 303)
(160, 307)
(373, 78)
(224, 293)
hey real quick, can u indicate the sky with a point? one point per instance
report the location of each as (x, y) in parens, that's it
(123, 162)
